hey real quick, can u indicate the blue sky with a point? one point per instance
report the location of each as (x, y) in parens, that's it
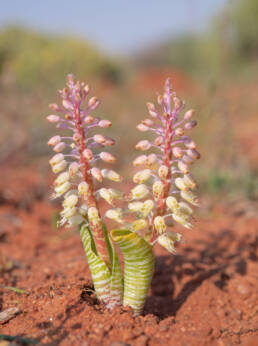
(117, 26)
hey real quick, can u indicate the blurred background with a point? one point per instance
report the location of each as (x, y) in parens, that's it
(125, 51)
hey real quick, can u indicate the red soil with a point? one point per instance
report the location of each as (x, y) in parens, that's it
(206, 295)
(153, 79)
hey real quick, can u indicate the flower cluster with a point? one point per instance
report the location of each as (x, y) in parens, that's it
(165, 182)
(75, 160)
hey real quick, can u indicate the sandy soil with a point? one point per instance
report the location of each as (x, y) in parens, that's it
(206, 295)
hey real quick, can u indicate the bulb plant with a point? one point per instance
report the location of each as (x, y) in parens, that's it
(146, 215)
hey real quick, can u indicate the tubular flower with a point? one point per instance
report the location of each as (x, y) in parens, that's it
(171, 183)
(75, 160)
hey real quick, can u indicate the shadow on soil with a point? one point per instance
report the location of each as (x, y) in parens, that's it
(220, 257)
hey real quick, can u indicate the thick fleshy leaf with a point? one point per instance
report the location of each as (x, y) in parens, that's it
(108, 286)
(99, 270)
(138, 267)
(116, 282)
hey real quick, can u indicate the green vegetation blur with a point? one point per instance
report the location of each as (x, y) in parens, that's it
(214, 71)
(229, 43)
(35, 60)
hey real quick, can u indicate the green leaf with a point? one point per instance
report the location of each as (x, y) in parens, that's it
(108, 286)
(138, 267)
(15, 289)
(116, 283)
(98, 268)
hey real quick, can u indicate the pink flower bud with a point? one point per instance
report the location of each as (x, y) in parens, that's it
(96, 173)
(56, 159)
(104, 123)
(86, 89)
(59, 147)
(140, 160)
(193, 153)
(88, 120)
(150, 106)
(163, 172)
(77, 97)
(99, 138)
(158, 141)
(179, 132)
(73, 169)
(190, 144)
(53, 118)
(151, 159)
(107, 157)
(153, 114)
(87, 153)
(76, 137)
(177, 152)
(190, 124)
(188, 115)
(67, 104)
(143, 145)
(142, 128)
(54, 107)
(54, 140)
(183, 167)
(148, 122)
(177, 102)
(109, 142)
(93, 102)
(187, 159)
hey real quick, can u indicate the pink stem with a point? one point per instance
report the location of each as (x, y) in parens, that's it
(97, 229)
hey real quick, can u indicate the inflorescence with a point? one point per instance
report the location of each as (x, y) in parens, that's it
(75, 161)
(165, 183)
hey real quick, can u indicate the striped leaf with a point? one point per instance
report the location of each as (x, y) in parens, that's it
(116, 282)
(108, 286)
(138, 267)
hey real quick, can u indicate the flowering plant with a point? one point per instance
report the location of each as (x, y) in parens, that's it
(160, 197)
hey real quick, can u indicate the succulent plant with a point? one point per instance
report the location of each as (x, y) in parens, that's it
(146, 215)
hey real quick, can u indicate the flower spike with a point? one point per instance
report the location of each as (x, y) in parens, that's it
(76, 161)
(171, 183)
